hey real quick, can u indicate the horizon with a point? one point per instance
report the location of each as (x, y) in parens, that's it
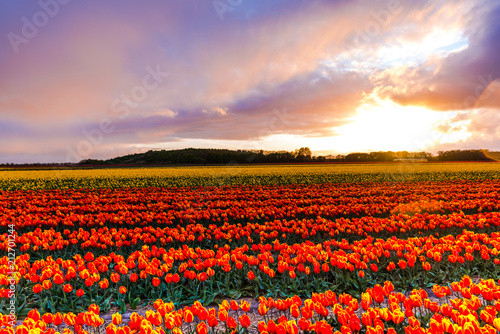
(101, 80)
(493, 156)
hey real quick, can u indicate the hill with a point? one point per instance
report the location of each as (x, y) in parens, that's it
(207, 156)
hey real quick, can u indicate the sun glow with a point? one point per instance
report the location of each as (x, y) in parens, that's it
(383, 125)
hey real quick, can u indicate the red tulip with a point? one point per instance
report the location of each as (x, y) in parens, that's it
(244, 321)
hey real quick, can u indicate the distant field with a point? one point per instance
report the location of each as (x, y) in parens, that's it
(244, 175)
(289, 239)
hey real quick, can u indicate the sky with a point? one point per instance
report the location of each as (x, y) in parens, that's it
(100, 79)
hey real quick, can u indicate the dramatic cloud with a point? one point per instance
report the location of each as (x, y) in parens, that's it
(457, 80)
(99, 79)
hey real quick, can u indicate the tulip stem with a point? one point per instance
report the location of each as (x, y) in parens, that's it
(52, 302)
(64, 294)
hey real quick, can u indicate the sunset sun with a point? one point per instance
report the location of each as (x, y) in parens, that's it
(384, 125)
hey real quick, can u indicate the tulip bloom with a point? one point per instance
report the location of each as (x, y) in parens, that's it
(234, 305)
(70, 319)
(244, 321)
(116, 318)
(212, 321)
(37, 288)
(223, 315)
(245, 306)
(188, 316)
(58, 279)
(57, 319)
(156, 281)
(47, 318)
(201, 328)
(231, 323)
(104, 284)
(263, 309)
(94, 309)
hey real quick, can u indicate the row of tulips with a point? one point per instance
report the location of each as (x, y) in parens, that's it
(276, 268)
(135, 206)
(76, 220)
(294, 230)
(463, 307)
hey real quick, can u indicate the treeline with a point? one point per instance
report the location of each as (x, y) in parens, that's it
(468, 155)
(453, 155)
(193, 156)
(385, 156)
(211, 156)
(303, 154)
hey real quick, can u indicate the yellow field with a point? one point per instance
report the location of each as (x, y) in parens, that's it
(248, 174)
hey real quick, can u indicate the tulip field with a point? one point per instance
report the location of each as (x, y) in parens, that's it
(394, 248)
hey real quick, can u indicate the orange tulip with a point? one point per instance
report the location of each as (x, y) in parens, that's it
(116, 318)
(231, 323)
(234, 305)
(223, 315)
(244, 321)
(212, 321)
(94, 309)
(104, 284)
(57, 319)
(156, 281)
(69, 319)
(304, 324)
(201, 328)
(111, 329)
(58, 279)
(37, 288)
(47, 284)
(188, 316)
(245, 306)
(294, 311)
(47, 318)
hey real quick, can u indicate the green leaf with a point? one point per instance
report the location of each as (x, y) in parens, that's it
(234, 294)
(135, 303)
(106, 305)
(121, 304)
(210, 299)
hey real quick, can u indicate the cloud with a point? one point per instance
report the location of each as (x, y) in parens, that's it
(227, 78)
(216, 110)
(456, 81)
